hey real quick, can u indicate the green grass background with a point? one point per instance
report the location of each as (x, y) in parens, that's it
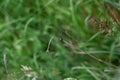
(26, 27)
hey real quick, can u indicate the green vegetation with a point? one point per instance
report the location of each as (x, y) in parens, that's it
(54, 40)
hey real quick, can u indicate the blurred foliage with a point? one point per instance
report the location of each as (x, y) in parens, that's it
(26, 27)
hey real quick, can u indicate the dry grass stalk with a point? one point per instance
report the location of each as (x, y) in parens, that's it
(113, 12)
